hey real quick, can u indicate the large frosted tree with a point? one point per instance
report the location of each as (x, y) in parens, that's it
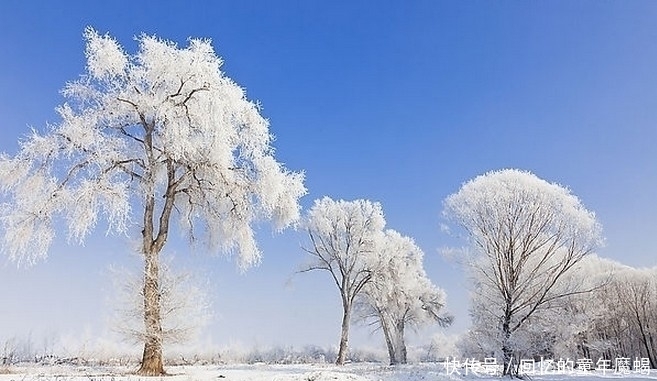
(526, 235)
(146, 140)
(400, 295)
(344, 238)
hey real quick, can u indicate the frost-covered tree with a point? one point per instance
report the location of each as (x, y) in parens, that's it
(635, 292)
(577, 323)
(526, 235)
(400, 295)
(616, 319)
(344, 237)
(626, 324)
(145, 139)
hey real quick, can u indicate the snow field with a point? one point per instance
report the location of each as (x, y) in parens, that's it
(267, 372)
(256, 372)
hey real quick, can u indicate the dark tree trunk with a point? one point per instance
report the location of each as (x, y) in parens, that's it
(392, 355)
(507, 351)
(653, 360)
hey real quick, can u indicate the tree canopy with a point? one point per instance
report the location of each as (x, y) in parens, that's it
(162, 126)
(526, 236)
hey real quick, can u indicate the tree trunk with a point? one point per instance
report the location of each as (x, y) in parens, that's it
(645, 342)
(651, 356)
(389, 340)
(401, 342)
(344, 336)
(152, 363)
(507, 351)
(392, 355)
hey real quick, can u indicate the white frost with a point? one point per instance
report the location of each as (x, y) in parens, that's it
(162, 124)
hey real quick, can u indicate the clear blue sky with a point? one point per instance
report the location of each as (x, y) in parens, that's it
(398, 102)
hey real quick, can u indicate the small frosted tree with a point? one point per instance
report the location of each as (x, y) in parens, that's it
(344, 239)
(526, 235)
(144, 139)
(184, 304)
(635, 292)
(578, 322)
(400, 295)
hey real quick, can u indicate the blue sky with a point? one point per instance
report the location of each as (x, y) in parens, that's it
(397, 102)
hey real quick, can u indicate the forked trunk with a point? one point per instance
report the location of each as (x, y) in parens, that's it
(394, 336)
(152, 363)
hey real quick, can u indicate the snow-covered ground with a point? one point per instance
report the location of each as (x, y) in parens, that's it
(266, 372)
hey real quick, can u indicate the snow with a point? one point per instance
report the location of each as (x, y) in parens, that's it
(269, 372)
